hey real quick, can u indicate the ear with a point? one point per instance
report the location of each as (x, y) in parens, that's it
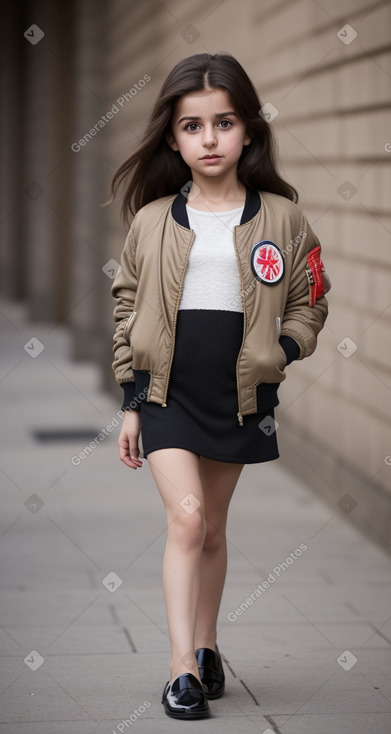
(247, 140)
(171, 141)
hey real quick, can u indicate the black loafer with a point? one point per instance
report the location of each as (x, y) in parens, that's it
(210, 666)
(185, 698)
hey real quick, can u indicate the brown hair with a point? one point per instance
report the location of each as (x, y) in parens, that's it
(156, 170)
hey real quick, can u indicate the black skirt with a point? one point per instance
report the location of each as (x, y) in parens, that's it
(202, 401)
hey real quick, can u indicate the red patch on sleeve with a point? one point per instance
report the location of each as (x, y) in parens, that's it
(319, 283)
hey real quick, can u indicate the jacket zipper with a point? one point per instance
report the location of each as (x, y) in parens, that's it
(239, 415)
(164, 404)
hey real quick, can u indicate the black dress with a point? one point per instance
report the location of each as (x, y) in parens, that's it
(202, 402)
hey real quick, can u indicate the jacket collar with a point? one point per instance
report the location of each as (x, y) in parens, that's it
(252, 205)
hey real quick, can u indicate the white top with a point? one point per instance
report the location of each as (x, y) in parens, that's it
(212, 279)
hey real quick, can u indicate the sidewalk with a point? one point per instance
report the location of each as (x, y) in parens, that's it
(81, 654)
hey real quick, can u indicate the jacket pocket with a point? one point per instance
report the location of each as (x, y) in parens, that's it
(278, 326)
(128, 326)
(281, 364)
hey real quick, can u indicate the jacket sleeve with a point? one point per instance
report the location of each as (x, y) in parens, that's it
(301, 321)
(123, 290)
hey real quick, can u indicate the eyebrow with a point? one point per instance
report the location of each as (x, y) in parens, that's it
(217, 115)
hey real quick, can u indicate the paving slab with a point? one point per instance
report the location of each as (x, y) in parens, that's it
(68, 522)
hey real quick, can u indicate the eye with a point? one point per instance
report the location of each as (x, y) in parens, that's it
(187, 127)
(226, 127)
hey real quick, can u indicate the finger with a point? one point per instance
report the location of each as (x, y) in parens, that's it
(134, 453)
(129, 456)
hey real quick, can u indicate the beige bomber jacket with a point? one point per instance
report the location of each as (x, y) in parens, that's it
(275, 294)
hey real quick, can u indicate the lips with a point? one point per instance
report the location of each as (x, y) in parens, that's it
(205, 157)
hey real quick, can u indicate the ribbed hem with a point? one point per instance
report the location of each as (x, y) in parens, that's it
(266, 392)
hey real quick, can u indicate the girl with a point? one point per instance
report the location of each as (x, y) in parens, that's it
(221, 286)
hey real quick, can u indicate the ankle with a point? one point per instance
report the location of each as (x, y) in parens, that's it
(206, 641)
(185, 664)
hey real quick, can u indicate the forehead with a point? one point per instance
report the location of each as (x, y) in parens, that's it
(202, 103)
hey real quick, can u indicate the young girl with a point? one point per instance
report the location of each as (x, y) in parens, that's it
(221, 286)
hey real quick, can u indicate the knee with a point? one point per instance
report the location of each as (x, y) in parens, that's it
(214, 538)
(189, 530)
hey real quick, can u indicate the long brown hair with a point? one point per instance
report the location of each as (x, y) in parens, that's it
(155, 170)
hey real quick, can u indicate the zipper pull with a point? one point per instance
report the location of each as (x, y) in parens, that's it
(309, 275)
(240, 418)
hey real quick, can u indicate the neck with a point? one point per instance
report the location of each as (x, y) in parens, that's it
(217, 190)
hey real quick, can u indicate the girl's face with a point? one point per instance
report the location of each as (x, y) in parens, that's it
(205, 123)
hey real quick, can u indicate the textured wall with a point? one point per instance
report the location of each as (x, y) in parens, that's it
(333, 90)
(326, 68)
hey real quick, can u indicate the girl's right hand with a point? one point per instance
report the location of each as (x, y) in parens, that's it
(128, 439)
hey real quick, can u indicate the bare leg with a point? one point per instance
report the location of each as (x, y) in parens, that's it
(219, 480)
(176, 473)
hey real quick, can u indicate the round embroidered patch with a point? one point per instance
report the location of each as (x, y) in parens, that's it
(267, 262)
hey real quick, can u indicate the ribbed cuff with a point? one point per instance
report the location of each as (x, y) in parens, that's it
(129, 389)
(290, 347)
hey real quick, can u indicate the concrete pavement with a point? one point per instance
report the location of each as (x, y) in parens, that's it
(84, 643)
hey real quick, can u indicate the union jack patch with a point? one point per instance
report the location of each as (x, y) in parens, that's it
(267, 262)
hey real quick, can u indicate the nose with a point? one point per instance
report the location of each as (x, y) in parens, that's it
(209, 136)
